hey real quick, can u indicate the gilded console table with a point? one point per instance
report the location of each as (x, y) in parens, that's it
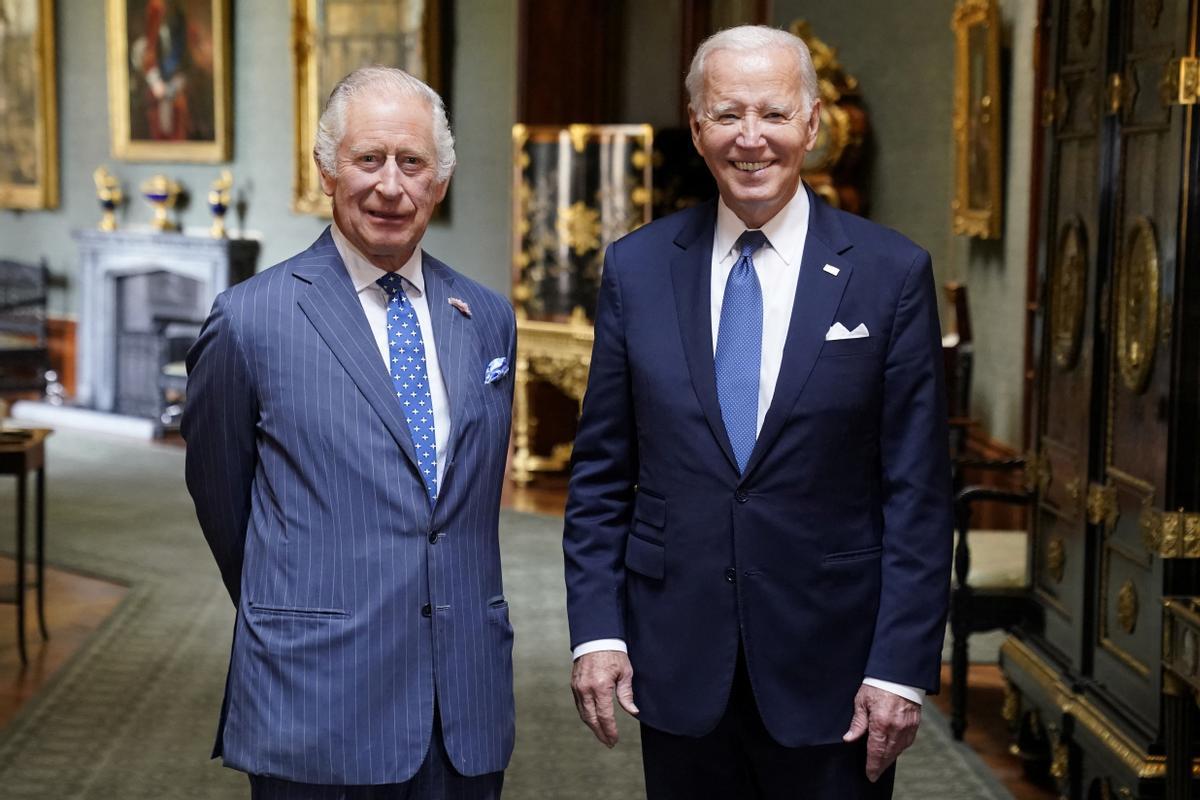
(561, 355)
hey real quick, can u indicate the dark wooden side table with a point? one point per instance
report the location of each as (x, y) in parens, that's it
(19, 457)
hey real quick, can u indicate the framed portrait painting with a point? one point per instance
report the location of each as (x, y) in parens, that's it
(333, 38)
(168, 80)
(977, 140)
(28, 105)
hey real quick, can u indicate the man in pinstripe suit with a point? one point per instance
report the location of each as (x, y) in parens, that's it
(347, 427)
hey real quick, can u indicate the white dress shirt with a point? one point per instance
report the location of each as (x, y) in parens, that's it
(374, 300)
(777, 265)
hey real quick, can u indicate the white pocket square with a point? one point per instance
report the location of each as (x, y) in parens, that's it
(838, 331)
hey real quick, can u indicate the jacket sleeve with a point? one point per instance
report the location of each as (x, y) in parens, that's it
(603, 472)
(219, 424)
(917, 506)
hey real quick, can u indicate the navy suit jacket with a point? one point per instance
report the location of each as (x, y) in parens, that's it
(302, 470)
(829, 558)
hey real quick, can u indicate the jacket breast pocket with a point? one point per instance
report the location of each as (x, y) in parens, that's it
(645, 551)
(841, 348)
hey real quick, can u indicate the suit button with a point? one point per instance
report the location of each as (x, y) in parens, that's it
(433, 537)
(731, 575)
(741, 496)
(426, 610)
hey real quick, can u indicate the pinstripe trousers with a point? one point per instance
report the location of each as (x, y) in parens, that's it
(437, 779)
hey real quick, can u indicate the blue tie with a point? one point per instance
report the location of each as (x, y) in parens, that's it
(739, 349)
(406, 354)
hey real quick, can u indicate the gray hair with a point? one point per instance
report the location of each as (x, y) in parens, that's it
(745, 39)
(378, 79)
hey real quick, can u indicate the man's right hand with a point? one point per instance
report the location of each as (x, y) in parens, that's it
(594, 679)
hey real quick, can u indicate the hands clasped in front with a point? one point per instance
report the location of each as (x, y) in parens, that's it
(889, 721)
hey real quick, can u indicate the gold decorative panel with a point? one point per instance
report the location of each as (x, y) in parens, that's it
(1068, 294)
(1137, 305)
(1127, 607)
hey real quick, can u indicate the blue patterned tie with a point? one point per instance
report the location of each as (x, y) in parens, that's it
(406, 352)
(739, 349)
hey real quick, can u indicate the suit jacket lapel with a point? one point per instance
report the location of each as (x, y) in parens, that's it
(455, 342)
(691, 276)
(332, 306)
(818, 295)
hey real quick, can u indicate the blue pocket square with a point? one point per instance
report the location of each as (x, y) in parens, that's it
(497, 368)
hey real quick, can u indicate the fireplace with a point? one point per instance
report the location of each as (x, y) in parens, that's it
(137, 292)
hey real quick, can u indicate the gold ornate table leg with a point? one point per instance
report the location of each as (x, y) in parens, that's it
(522, 427)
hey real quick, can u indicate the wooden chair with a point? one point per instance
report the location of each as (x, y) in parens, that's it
(985, 598)
(24, 348)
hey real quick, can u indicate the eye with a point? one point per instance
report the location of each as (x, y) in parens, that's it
(369, 158)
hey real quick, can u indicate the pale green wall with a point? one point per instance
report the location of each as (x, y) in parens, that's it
(474, 239)
(903, 56)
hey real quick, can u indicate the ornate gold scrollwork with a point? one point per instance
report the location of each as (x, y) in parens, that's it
(1137, 305)
(1102, 507)
(1180, 84)
(579, 227)
(1173, 534)
(1068, 289)
(1127, 607)
(579, 135)
(1037, 472)
(1012, 704)
(1060, 762)
(1056, 558)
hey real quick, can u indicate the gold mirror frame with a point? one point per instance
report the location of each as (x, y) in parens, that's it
(308, 30)
(213, 151)
(977, 205)
(33, 127)
(1137, 305)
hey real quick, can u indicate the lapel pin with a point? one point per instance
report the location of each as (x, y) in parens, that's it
(461, 305)
(832, 270)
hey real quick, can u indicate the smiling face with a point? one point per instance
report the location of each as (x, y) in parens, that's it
(385, 187)
(754, 129)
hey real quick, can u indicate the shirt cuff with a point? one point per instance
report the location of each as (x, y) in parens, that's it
(907, 692)
(596, 645)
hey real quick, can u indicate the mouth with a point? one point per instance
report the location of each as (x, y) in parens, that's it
(750, 166)
(384, 216)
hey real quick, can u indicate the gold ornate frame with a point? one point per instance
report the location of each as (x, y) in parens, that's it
(43, 120)
(308, 30)
(977, 201)
(124, 146)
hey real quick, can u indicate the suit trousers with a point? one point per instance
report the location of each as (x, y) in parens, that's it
(437, 779)
(739, 760)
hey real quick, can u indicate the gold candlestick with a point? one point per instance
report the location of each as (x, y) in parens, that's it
(108, 192)
(218, 203)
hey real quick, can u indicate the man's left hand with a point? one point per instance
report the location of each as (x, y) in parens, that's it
(890, 722)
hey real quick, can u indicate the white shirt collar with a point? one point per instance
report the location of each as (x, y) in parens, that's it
(785, 231)
(364, 274)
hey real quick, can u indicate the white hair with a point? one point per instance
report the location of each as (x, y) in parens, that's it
(379, 80)
(746, 39)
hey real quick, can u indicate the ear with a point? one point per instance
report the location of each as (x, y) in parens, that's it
(694, 125)
(813, 125)
(327, 181)
(442, 188)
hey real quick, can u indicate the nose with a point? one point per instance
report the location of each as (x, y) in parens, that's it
(388, 185)
(750, 131)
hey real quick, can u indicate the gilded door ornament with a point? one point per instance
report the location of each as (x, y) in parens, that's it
(1137, 305)
(1102, 506)
(1127, 607)
(1085, 20)
(579, 227)
(1056, 558)
(1068, 289)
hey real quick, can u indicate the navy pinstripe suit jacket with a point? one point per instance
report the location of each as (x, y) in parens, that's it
(306, 486)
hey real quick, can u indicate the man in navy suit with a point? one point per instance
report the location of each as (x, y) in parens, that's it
(347, 427)
(758, 523)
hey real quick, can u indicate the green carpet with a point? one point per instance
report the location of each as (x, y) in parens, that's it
(132, 715)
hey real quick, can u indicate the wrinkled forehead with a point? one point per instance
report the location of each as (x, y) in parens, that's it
(386, 114)
(753, 78)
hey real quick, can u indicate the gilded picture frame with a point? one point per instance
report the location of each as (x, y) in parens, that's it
(977, 206)
(169, 80)
(331, 38)
(29, 100)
